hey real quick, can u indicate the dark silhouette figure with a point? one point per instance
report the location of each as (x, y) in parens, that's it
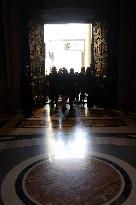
(72, 88)
(53, 82)
(82, 85)
(64, 88)
(91, 85)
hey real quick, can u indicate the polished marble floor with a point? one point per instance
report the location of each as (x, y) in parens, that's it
(86, 157)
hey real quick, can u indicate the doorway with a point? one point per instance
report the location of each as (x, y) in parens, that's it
(67, 45)
(70, 45)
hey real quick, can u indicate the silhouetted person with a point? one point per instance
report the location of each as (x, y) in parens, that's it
(53, 81)
(72, 88)
(77, 86)
(46, 88)
(90, 87)
(82, 85)
(64, 87)
(60, 73)
(101, 91)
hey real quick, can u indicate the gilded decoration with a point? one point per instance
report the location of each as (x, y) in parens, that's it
(37, 54)
(100, 49)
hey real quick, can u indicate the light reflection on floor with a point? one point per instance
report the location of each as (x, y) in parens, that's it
(71, 162)
(68, 148)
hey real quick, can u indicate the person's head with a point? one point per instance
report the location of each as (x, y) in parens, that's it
(82, 69)
(60, 71)
(54, 70)
(88, 70)
(64, 70)
(72, 70)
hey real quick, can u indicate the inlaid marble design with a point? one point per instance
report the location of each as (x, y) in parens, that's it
(71, 122)
(82, 158)
(75, 182)
(93, 112)
(99, 112)
(41, 113)
(94, 117)
(65, 174)
(104, 122)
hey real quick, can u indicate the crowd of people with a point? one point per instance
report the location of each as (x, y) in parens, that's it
(73, 85)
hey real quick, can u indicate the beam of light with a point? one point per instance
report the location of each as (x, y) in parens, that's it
(62, 148)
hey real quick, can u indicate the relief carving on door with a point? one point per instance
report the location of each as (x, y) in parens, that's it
(37, 58)
(100, 49)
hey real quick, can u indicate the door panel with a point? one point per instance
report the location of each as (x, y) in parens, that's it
(37, 58)
(100, 49)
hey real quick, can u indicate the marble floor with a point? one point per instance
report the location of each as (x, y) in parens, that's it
(86, 157)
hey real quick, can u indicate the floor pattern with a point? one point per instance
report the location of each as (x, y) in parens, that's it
(55, 158)
(91, 118)
(71, 122)
(78, 181)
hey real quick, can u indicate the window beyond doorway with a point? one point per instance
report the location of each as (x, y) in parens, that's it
(67, 45)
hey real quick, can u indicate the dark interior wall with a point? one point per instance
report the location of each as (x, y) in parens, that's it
(2, 49)
(127, 66)
(10, 57)
(99, 8)
(49, 4)
(112, 16)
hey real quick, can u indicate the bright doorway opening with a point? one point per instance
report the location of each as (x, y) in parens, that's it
(67, 45)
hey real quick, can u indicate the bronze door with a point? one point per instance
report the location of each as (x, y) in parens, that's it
(100, 49)
(37, 61)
